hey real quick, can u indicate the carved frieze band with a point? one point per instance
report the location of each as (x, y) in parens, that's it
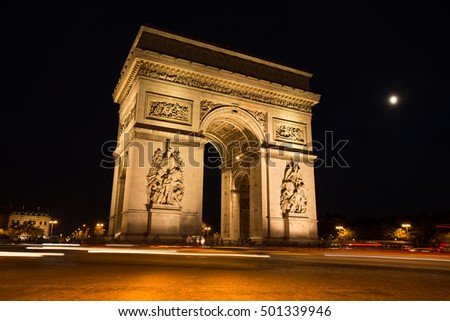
(288, 131)
(156, 71)
(167, 108)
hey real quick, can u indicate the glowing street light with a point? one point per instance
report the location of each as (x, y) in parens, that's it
(51, 226)
(207, 229)
(407, 226)
(99, 230)
(340, 229)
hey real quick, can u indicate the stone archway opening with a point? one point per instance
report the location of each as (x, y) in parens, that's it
(232, 132)
(212, 193)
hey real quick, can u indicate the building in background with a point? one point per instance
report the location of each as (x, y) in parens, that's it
(38, 217)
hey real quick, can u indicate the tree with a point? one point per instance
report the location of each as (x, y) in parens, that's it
(99, 230)
(24, 231)
(345, 235)
(398, 234)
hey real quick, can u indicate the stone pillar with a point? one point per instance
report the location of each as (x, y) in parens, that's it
(112, 226)
(265, 199)
(258, 200)
(135, 214)
(226, 209)
(192, 205)
(119, 204)
(235, 216)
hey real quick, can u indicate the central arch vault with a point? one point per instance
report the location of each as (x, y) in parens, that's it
(175, 96)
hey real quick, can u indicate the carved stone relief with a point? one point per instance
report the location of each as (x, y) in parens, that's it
(161, 107)
(293, 198)
(259, 116)
(291, 132)
(127, 119)
(165, 182)
(206, 106)
(156, 71)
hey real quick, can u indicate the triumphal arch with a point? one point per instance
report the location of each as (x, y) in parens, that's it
(176, 95)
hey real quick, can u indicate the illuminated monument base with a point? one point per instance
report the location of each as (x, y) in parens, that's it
(164, 222)
(175, 96)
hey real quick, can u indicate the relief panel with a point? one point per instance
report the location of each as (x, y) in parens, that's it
(289, 131)
(168, 108)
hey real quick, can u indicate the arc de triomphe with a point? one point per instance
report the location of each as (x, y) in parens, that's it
(175, 96)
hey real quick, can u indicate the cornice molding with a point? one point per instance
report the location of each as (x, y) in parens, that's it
(126, 80)
(153, 70)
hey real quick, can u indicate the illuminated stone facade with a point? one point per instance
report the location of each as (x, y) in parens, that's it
(176, 95)
(37, 218)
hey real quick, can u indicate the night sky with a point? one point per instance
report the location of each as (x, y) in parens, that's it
(60, 64)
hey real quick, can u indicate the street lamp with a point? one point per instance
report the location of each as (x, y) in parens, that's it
(51, 226)
(407, 226)
(340, 230)
(207, 229)
(99, 229)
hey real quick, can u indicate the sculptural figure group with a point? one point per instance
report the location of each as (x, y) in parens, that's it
(165, 178)
(293, 192)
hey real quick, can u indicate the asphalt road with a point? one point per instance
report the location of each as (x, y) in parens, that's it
(228, 274)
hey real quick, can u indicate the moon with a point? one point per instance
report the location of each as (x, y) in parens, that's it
(393, 100)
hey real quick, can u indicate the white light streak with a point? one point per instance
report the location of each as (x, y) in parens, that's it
(173, 252)
(387, 257)
(60, 244)
(61, 248)
(29, 254)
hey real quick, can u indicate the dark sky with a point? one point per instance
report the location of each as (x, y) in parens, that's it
(61, 62)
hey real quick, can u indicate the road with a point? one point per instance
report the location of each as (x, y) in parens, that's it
(35, 272)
